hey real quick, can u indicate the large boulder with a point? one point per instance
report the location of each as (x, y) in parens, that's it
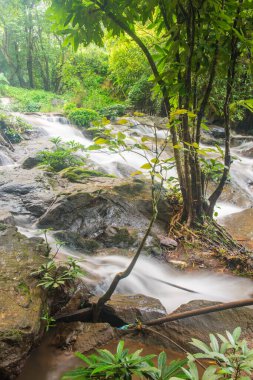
(21, 301)
(124, 309)
(113, 212)
(199, 327)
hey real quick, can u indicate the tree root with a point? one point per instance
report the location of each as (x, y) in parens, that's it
(210, 235)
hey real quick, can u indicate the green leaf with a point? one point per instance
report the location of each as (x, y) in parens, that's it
(146, 166)
(101, 141)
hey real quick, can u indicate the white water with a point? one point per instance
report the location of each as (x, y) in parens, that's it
(102, 269)
(241, 169)
(54, 127)
(5, 159)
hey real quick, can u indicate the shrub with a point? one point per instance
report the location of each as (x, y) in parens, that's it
(69, 107)
(62, 156)
(113, 111)
(140, 97)
(82, 117)
(123, 366)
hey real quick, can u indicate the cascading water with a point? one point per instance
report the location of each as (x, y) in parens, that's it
(102, 269)
(57, 126)
(149, 276)
(5, 159)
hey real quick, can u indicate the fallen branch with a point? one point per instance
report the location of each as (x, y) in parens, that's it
(201, 311)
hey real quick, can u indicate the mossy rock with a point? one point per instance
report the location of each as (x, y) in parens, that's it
(75, 240)
(79, 175)
(21, 301)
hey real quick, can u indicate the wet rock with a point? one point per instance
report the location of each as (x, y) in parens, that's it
(6, 218)
(75, 240)
(38, 204)
(31, 162)
(78, 299)
(199, 327)
(168, 242)
(240, 226)
(125, 309)
(111, 211)
(21, 301)
(217, 132)
(17, 189)
(83, 337)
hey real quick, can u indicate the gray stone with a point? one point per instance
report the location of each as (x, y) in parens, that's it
(199, 327)
(128, 308)
(83, 337)
(31, 162)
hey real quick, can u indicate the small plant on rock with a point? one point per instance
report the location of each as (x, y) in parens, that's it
(49, 321)
(52, 276)
(61, 156)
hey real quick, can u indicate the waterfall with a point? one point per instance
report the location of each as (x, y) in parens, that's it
(5, 159)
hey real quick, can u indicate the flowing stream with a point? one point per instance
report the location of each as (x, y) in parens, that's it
(143, 280)
(147, 275)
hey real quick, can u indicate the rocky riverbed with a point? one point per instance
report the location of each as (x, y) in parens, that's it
(101, 222)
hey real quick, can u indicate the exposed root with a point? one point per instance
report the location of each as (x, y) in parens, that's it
(210, 235)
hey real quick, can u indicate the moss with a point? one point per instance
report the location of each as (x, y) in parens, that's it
(3, 227)
(77, 174)
(13, 335)
(23, 288)
(124, 237)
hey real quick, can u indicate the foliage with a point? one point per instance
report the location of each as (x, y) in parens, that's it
(61, 156)
(231, 356)
(26, 100)
(78, 174)
(12, 128)
(123, 366)
(52, 277)
(82, 116)
(111, 112)
(140, 97)
(85, 78)
(30, 54)
(231, 359)
(130, 75)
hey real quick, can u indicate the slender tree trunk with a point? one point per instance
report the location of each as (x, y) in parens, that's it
(235, 53)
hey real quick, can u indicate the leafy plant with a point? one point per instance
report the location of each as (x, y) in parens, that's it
(61, 156)
(82, 117)
(232, 358)
(123, 366)
(165, 371)
(52, 276)
(50, 321)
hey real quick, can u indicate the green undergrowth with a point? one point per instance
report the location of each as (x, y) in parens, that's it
(26, 100)
(12, 128)
(77, 174)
